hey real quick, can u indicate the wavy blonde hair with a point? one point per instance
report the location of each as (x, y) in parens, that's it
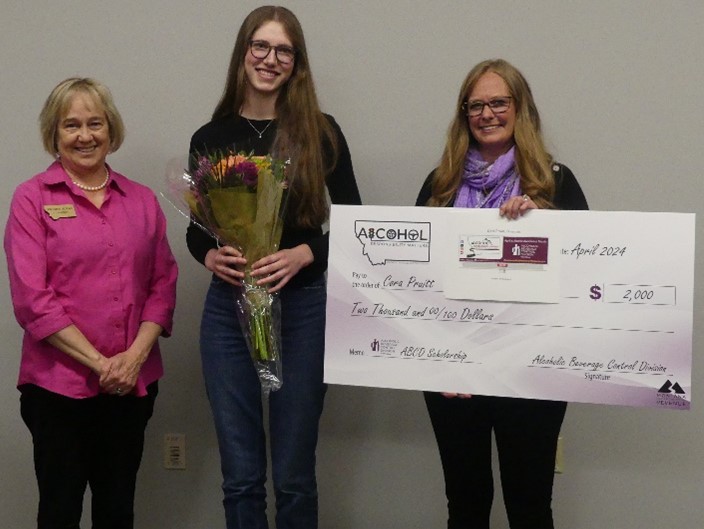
(532, 159)
(302, 130)
(57, 105)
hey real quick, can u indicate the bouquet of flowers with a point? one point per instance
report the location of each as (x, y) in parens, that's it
(240, 200)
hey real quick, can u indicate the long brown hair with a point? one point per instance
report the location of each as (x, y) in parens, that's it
(532, 159)
(302, 129)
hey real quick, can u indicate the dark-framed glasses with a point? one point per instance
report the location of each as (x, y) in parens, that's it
(498, 105)
(260, 49)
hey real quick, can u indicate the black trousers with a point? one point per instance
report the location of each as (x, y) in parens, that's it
(526, 433)
(96, 441)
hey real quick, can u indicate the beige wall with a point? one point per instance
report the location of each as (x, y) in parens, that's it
(619, 86)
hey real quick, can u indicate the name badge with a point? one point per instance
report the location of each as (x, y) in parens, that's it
(60, 211)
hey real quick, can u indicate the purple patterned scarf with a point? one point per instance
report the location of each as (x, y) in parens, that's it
(487, 185)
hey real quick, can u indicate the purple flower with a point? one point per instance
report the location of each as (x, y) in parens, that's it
(248, 171)
(204, 168)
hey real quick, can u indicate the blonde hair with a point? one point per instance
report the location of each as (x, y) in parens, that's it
(302, 129)
(532, 159)
(57, 104)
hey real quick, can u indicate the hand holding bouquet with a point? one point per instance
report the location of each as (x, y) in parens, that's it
(240, 200)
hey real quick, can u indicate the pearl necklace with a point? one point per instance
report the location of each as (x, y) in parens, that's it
(93, 188)
(260, 132)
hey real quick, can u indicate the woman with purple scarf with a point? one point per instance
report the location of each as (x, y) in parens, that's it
(495, 158)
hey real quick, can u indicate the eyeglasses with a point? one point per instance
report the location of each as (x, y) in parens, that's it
(260, 49)
(498, 105)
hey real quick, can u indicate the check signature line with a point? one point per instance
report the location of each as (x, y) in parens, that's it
(600, 371)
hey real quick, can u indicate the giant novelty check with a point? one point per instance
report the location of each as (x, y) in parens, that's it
(581, 306)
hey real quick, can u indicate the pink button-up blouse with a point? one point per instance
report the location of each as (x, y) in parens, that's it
(104, 269)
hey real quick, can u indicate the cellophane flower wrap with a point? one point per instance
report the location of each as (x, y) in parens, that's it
(240, 199)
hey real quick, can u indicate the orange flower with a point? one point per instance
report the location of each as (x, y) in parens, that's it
(224, 164)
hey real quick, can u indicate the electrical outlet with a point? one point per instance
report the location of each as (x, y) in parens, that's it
(175, 451)
(559, 457)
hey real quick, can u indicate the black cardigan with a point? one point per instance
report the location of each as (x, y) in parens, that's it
(568, 194)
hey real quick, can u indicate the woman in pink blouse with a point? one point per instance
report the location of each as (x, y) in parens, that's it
(93, 284)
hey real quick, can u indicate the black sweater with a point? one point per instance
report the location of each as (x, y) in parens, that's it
(234, 132)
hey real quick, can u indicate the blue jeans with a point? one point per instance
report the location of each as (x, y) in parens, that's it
(235, 397)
